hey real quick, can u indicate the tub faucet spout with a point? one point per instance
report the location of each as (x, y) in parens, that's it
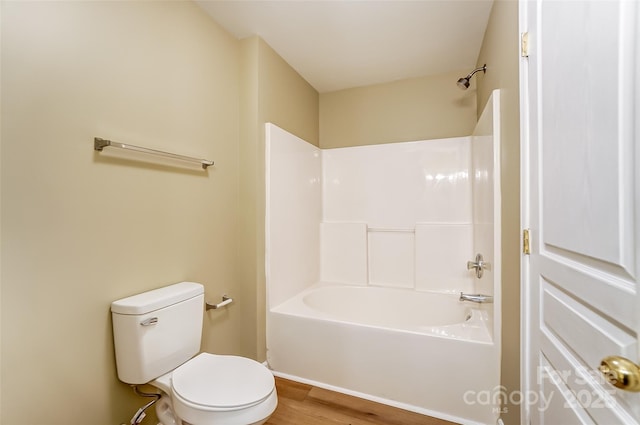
(476, 298)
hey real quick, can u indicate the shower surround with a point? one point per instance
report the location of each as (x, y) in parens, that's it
(366, 258)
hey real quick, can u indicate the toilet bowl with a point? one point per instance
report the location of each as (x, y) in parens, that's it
(214, 389)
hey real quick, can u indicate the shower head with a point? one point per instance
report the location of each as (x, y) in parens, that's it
(463, 82)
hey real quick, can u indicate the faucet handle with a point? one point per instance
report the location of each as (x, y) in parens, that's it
(479, 265)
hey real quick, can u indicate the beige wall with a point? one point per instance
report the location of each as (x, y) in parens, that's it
(500, 51)
(272, 92)
(80, 229)
(1, 242)
(423, 108)
(286, 99)
(248, 190)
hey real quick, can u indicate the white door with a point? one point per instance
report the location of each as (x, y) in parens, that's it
(580, 99)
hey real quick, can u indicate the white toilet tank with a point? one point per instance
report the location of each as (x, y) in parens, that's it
(156, 331)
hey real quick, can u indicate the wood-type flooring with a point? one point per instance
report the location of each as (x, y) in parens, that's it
(301, 404)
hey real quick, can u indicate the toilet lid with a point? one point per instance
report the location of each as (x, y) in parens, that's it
(222, 381)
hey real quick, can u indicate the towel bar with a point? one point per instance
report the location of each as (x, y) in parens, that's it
(99, 144)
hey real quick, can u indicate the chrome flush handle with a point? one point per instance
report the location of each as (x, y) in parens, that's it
(150, 321)
(479, 265)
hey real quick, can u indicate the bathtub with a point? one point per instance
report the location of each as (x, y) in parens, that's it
(422, 351)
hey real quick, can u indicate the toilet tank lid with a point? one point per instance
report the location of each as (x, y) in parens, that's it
(157, 298)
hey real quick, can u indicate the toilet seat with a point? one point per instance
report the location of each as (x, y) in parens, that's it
(221, 383)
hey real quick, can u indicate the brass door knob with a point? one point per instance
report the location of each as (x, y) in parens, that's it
(621, 373)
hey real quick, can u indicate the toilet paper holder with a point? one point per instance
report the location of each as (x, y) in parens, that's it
(226, 300)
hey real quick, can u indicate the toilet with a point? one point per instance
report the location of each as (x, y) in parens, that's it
(157, 337)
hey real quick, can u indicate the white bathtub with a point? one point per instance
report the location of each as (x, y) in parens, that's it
(422, 351)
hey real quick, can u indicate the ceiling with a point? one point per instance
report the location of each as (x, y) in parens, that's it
(338, 44)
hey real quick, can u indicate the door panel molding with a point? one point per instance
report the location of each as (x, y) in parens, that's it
(580, 121)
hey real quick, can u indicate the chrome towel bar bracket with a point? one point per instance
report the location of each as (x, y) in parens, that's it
(226, 300)
(99, 144)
